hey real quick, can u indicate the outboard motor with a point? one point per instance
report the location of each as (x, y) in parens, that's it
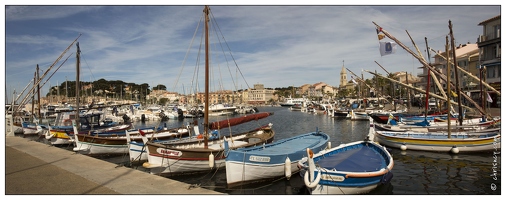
(126, 119)
(180, 113)
(143, 118)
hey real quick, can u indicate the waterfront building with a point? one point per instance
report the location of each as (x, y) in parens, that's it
(490, 55)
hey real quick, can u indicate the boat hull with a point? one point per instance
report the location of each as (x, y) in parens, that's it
(95, 144)
(423, 142)
(180, 158)
(353, 168)
(251, 164)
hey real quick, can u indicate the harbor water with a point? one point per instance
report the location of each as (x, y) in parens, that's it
(415, 172)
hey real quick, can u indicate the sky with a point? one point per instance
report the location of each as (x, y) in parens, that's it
(274, 45)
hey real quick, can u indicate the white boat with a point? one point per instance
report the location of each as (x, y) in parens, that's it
(358, 116)
(221, 109)
(137, 148)
(353, 168)
(109, 144)
(274, 160)
(292, 101)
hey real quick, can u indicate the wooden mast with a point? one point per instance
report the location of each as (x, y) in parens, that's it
(457, 84)
(414, 88)
(33, 94)
(428, 83)
(425, 64)
(78, 54)
(45, 73)
(448, 89)
(206, 100)
(38, 97)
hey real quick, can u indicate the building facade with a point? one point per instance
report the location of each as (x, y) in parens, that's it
(490, 55)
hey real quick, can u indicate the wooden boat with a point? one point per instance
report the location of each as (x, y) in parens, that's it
(109, 144)
(440, 141)
(196, 157)
(137, 149)
(277, 159)
(358, 116)
(204, 154)
(341, 113)
(353, 168)
(30, 128)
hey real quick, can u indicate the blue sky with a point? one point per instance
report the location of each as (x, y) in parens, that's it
(278, 46)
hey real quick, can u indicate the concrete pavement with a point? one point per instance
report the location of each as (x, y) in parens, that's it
(35, 168)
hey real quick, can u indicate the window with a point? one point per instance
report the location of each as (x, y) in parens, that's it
(498, 50)
(490, 72)
(497, 31)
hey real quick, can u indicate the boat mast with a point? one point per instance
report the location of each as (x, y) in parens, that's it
(206, 99)
(425, 64)
(457, 84)
(78, 54)
(33, 94)
(428, 82)
(38, 96)
(448, 88)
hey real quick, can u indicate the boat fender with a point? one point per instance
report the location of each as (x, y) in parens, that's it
(455, 150)
(329, 145)
(288, 168)
(211, 160)
(315, 182)
(49, 135)
(404, 147)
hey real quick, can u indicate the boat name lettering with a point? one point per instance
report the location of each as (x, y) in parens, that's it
(260, 159)
(168, 152)
(332, 177)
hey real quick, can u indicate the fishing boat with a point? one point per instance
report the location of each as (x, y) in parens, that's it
(450, 140)
(110, 144)
(137, 149)
(90, 125)
(462, 141)
(277, 159)
(353, 168)
(204, 154)
(358, 116)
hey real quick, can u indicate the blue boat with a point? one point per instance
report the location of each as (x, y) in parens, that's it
(353, 168)
(274, 160)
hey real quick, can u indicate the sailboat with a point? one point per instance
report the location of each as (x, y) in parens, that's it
(446, 140)
(205, 153)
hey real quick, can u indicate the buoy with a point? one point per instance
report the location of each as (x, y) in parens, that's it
(288, 168)
(404, 147)
(211, 160)
(455, 150)
(311, 167)
(329, 145)
(315, 182)
(49, 135)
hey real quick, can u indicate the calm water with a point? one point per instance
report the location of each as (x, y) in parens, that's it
(414, 172)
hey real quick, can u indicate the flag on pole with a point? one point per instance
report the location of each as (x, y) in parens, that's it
(380, 34)
(353, 80)
(489, 99)
(387, 48)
